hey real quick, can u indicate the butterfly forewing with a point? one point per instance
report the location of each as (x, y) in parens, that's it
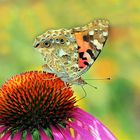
(90, 40)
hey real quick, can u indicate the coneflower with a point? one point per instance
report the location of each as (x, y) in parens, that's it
(36, 106)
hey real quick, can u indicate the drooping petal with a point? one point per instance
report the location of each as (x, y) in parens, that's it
(95, 126)
(17, 136)
(66, 133)
(80, 130)
(6, 136)
(28, 136)
(43, 135)
(57, 135)
(2, 128)
(77, 136)
(104, 132)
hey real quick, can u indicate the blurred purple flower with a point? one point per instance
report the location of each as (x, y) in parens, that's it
(33, 108)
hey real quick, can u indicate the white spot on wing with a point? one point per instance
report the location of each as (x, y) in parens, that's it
(91, 32)
(68, 43)
(61, 53)
(91, 41)
(91, 61)
(105, 33)
(97, 44)
(75, 65)
(88, 57)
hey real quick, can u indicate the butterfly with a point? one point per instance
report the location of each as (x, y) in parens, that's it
(69, 53)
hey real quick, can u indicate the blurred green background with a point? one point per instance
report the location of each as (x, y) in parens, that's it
(116, 102)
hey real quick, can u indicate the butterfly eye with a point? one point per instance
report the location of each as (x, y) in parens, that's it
(47, 44)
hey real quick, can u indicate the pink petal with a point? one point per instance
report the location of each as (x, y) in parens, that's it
(86, 115)
(90, 124)
(28, 136)
(77, 136)
(43, 135)
(104, 132)
(66, 133)
(80, 130)
(17, 136)
(96, 127)
(6, 136)
(2, 128)
(57, 135)
(9, 138)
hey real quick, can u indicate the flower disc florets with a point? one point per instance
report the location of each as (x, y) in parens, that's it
(35, 100)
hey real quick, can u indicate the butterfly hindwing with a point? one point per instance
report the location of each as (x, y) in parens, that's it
(90, 40)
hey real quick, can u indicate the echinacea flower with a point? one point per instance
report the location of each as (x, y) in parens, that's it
(37, 106)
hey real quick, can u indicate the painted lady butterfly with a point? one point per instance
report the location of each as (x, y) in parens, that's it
(70, 53)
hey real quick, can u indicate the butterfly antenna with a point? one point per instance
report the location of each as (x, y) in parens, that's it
(108, 78)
